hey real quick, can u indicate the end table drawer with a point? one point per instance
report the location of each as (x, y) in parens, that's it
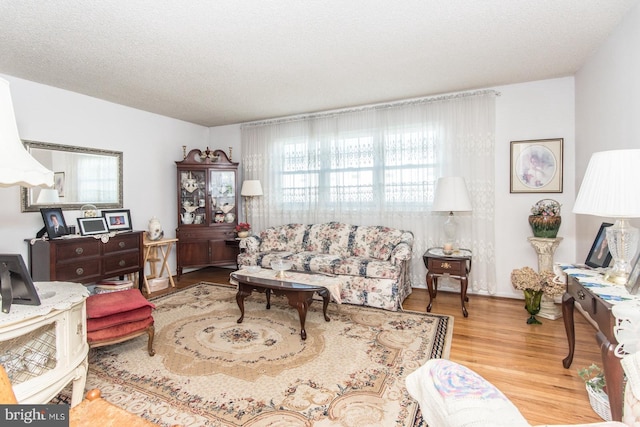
(439, 266)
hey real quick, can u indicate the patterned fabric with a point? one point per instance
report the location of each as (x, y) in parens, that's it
(372, 262)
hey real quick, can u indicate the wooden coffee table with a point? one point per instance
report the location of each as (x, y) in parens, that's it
(300, 296)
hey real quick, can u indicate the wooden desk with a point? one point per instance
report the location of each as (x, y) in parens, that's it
(456, 265)
(600, 311)
(151, 256)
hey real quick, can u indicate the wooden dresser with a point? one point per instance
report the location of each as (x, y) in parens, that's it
(87, 259)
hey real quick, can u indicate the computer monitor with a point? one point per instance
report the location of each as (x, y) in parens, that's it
(16, 285)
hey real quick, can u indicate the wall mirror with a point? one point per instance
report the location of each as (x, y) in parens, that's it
(82, 176)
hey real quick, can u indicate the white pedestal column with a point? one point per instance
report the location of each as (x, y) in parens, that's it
(545, 248)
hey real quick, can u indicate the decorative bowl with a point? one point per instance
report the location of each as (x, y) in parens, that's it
(280, 266)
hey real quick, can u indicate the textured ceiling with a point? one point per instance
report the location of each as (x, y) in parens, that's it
(231, 61)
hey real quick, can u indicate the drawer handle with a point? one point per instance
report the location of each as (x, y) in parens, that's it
(122, 263)
(445, 265)
(122, 244)
(581, 295)
(79, 251)
(79, 271)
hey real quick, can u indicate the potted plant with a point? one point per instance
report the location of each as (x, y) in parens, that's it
(243, 229)
(597, 389)
(545, 218)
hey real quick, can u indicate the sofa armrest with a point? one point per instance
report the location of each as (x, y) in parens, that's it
(401, 253)
(251, 244)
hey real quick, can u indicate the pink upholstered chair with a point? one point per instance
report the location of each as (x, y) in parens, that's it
(119, 316)
(451, 395)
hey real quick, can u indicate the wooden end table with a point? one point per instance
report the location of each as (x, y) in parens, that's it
(457, 265)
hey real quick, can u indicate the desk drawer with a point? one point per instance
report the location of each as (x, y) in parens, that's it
(77, 250)
(84, 271)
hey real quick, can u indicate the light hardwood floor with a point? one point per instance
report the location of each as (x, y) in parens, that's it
(523, 361)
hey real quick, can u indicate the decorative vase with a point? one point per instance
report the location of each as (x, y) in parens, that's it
(532, 305)
(243, 234)
(546, 226)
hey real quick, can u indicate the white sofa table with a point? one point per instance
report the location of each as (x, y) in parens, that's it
(45, 347)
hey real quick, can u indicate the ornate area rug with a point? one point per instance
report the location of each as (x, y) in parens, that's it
(211, 371)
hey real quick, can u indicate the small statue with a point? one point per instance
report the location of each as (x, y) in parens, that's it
(155, 231)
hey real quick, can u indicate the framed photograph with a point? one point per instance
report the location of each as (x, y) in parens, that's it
(633, 284)
(599, 255)
(54, 222)
(536, 166)
(89, 226)
(118, 220)
(58, 183)
(16, 285)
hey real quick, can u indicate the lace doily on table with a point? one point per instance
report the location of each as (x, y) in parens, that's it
(53, 296)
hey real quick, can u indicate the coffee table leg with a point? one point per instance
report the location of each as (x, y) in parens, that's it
(240, 296)
(326, 298)
(268, 294)
(301, 302)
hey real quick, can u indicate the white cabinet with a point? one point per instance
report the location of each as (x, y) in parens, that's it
(44, 347)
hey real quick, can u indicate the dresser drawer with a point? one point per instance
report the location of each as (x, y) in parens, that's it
(122, 242)
(77, 249)
(115, 263)
(84, 271)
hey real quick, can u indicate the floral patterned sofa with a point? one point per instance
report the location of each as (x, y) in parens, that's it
(371, 262)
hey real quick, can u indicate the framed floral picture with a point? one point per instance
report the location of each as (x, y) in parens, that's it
(536, 166)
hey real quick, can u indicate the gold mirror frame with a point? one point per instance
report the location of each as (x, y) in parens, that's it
(28, 204)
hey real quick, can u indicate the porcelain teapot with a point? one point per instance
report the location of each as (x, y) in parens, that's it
(187, 217)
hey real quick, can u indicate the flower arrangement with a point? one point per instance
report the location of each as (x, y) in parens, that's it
(243, 226)
(527, 279)
(593, 377)
(546, 207)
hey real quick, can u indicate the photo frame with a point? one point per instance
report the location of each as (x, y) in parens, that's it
(16, 285)
(633, 284)
(118, 219)
(536, 166)
(58, 183)
(90, 226)
(599, 255)
(54, 222)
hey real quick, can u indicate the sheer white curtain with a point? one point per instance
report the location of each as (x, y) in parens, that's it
(379, 165)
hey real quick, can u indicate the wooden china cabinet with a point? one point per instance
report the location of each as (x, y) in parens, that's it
(207, 209)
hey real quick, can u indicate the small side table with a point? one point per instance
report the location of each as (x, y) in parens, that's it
(157, 251)
(235, 243)
(456, 265)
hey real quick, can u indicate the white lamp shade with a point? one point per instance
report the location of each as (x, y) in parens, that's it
(451, 195)
(610, 185)
(17, 167)
(251, 187)
(48, 196)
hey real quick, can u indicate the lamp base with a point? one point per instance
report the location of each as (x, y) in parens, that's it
(622, 239)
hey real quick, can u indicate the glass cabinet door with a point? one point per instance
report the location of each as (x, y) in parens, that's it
(223, 196)
(193, 197)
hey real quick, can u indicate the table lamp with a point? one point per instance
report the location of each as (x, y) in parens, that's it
(17, 167)
(250, 188)
(451, 196)
(610, 189)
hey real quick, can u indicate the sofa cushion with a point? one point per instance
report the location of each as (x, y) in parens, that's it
(366, 267)
(314, 262)
(329, 238)
(284, 238)
(375, 242)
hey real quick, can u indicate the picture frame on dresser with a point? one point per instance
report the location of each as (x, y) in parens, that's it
(54, 222)
(599, 255)
(633, 284)
(16, 285)
(91, 226)
(118, 220)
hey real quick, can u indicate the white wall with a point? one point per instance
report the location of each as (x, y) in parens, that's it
(150, 144)
(608, 109)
